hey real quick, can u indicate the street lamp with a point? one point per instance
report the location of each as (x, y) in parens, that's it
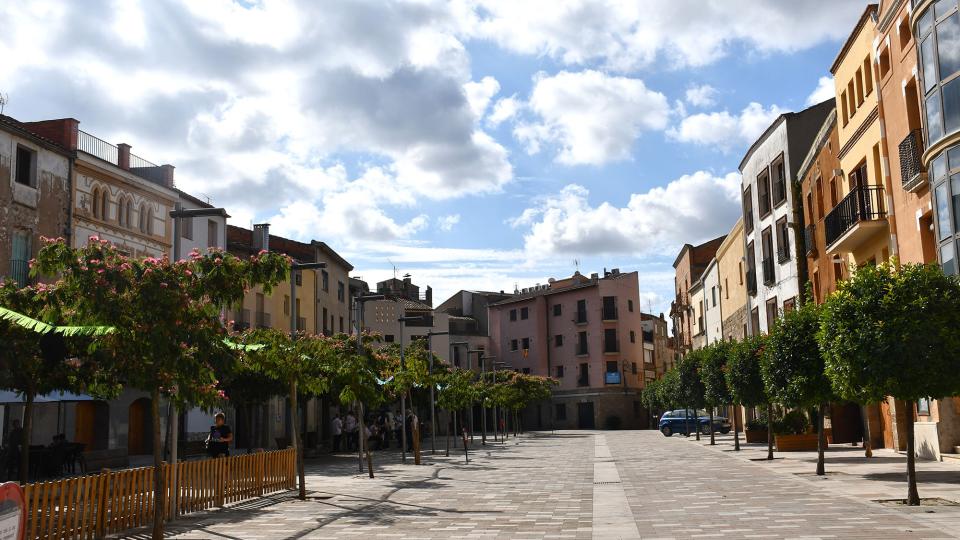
(496, 410)
(359, 300)
(294, 412)
(483, 412)
(433, 422)
(177, 214)
(403, 402)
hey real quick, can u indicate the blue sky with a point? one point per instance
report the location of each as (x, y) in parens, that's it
(473, 143)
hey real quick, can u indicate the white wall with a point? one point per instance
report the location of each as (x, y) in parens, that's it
(711, 303)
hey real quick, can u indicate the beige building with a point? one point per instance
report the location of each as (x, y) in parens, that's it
(733, 289)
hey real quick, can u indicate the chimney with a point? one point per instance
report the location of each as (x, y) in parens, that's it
(261, 237)
(63, 131)
(123, 156)
(166, 174)
(429, 296)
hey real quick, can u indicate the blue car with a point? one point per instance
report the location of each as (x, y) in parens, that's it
(679, 421)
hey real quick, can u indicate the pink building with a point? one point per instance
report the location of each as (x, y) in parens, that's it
(586, 332)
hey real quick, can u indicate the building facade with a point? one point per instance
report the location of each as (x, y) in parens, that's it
(583, 331)
(769, 171)
(732, 284)
(657, 346)
(688, 267)
(712, 311)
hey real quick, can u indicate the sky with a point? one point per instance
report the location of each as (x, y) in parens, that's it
(474, 144)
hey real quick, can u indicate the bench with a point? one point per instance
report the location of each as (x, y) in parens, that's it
(114, 458)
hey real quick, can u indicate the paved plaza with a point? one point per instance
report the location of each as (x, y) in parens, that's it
(579, 484)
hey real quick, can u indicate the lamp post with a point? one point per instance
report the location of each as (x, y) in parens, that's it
(296, 267)
(176, 215)
(403, 401)
(483, 412)
(453, 350)
(359, 300)
(433, 421)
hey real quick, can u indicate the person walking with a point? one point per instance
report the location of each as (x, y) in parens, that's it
(218, 441)
(411, 420)
(336, 428)
(350, 426)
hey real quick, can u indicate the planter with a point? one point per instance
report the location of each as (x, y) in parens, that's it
(756, 435)
(796, 443)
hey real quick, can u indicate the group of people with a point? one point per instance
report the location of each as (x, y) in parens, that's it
(379, 430)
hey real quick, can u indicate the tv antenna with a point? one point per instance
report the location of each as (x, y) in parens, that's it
(576, 263)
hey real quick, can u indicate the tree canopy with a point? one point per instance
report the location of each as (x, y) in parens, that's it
(792, 364)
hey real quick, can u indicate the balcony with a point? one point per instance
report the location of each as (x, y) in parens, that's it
(783, 254)
(262, 319)
(609, 314)
(860, 215)
(110, 153)
(752, 281)
(810, 240)
(912, 173)
(769, 277)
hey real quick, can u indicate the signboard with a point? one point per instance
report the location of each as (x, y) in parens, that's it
(612, 377)
(13, 517)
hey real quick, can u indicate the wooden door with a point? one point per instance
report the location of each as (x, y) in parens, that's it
(139, 428)
(83, 433)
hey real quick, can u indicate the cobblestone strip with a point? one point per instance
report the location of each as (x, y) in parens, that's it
(612, 517)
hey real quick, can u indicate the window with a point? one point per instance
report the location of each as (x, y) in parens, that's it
(779, 182)
(100, 199)
(867, 77)
(286, 304)
(559, 372)
(26, 172)
(557, 310)
(843, 106)
(341, 321)
(326, 330)
(526, 343)
(747, 211)
(948, 259)
(819, 197)
(858, 83)
(766, 244)
(772, 312)
(647, 356)
(609, 308)
(388, 338)
(526, 371)
(610, 344)
(816, 287)
(20, 256)
(581, 311)
(944, 229)
(763, 192)
(298, 278)
(940, 63)
(884, 61)
(581, 343)
(584, 377)
(513, 314)
(341, 292)
(923, 407)
(148, 226)
(633, 337)
(630, 306)
(524, 313)
(789, 304)
(755, 321)
(558, 340)
(633, 368)
(560, 411)
(612, 366)
(514, 345)
(783, 240)
(456, 356)
(713, 295)
(186, 228)
(325, 280)
(213, 234)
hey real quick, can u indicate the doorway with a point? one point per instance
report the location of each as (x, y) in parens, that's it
(139, 428)
(92, 424)
(585, 415)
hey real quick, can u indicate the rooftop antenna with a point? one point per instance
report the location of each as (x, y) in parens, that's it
(394, 268)
(4, 99)
(576, 263)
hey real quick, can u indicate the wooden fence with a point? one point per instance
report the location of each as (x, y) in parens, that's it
(109, 502)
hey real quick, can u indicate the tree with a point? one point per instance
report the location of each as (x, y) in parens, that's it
(892, 331)
(38, 358)
(299, 363)
(793, 367)
(169, 336)
(690, 386)
(249, 388)
(359, 369)
(713, 366)
(406, 373)
(745, 381)
(458, 391)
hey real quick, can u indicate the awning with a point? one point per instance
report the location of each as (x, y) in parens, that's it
(7, 396)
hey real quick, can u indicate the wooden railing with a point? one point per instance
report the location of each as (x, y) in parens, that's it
(110, 502)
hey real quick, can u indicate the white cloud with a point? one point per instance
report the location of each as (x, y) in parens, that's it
(703, 95)
(692, 208)
(724, 130)
(627, 36)
(825, 90)
(504, 109)
(594, 118)
(446, 223)
(480, 93)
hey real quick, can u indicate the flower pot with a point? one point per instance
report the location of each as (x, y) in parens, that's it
(796, 443)
(756, 435)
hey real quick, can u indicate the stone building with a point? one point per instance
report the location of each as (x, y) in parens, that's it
(732, 283)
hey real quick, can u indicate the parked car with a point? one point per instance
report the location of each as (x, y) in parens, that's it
(676, 421)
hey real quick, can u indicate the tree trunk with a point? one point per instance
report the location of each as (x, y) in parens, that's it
(25, 438)
(447, 427)
(686, 422)
(913, 498)
(713, 441)
(249, 423)
(821, 439)
(769, 430)
(696, 423)
(867, 446)
(736, 427)
(466, 454)
(297, 443)
(159, 493)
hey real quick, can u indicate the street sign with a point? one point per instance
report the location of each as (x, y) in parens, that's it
(13, 516)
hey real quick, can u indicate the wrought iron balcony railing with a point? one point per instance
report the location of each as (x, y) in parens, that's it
(863, 203)
(911, 166)
(810, 240)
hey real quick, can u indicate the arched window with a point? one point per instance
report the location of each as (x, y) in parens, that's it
(104, 209)
(142, 218)
(149, 227)
(128, 213)
(121, 211)
(96, 203)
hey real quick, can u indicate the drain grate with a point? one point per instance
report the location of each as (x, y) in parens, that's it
(926, 501)
(605, 483)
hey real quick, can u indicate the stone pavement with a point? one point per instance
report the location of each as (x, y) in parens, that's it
(570, 484)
